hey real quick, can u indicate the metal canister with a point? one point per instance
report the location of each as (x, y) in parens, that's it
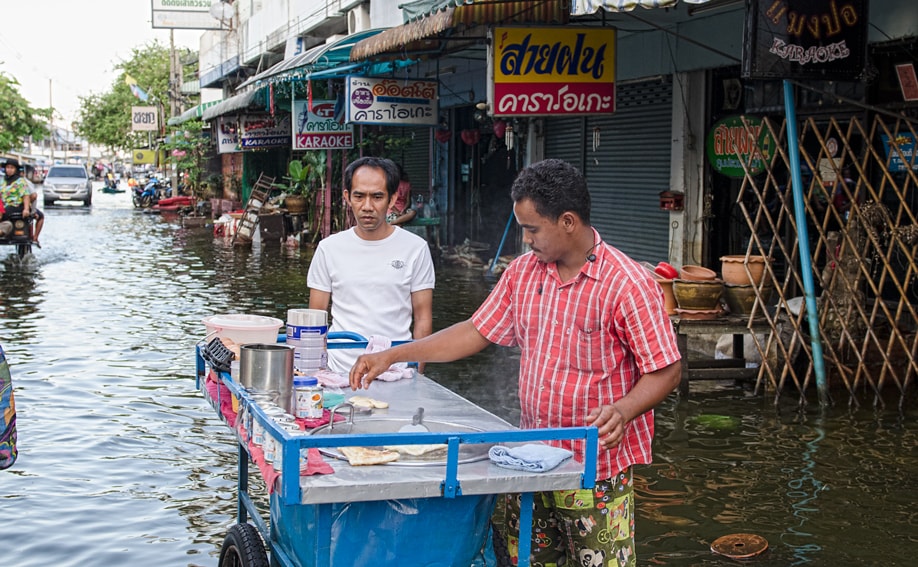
(308, 397)
(290, 429)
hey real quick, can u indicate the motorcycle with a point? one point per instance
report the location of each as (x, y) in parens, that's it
(16, 230)
(150, 194)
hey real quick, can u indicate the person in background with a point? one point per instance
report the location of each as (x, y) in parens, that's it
(378, 278)
(401, 212)
(18, 194)
(597, 348)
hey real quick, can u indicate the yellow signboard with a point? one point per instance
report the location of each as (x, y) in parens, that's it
(141, 157)
(558, 70)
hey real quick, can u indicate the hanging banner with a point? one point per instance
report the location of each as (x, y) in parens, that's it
(393, 102)
(730, 144)
(317, 129)
(811, 39)
(557, 71)
(264, 131)
(227, 135)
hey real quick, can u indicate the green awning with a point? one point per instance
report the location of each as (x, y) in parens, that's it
(254, 98)
(192, 113)
(325, 57)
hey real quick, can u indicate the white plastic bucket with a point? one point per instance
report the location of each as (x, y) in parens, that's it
(244, 329)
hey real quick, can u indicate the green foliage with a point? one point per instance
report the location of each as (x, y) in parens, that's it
(305, 176)
(186, 149)
(19, 120)
(105, 119)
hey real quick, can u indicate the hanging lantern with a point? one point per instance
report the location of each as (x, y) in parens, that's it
(595, 138)
(499, 128)
(508, 136)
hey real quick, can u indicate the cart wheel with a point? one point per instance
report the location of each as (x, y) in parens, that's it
(243, 548)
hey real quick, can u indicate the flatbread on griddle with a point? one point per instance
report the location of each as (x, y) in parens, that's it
(364, 456)
(418, 450)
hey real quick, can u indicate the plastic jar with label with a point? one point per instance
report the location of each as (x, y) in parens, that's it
(307, 397)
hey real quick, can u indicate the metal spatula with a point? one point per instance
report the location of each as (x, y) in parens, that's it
(416, 425)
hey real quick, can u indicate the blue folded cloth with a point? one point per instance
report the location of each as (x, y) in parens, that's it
(533, 457)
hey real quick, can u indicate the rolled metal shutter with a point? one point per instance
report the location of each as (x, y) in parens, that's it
(629, 167)
(415, 158)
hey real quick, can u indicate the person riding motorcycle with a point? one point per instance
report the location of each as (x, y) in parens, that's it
(17, 194)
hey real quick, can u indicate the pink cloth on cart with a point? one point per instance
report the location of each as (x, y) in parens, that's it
(397, 371)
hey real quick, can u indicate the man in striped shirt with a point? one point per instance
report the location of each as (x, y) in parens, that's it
(597, 348)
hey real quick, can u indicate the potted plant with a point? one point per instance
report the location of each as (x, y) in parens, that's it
(305, 177)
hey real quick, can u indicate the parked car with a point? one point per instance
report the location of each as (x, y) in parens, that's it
(67, 183)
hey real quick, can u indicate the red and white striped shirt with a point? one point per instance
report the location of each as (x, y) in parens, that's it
(584, 343)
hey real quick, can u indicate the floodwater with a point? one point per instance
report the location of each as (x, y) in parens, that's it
(122, 462)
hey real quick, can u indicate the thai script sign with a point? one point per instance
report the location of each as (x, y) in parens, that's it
(264, 131)
(900, 152)
(191, 14)
(144, 119)
(732, 143)
(553, 71)
(818, 39)
(318, 129)
(392, 101)
(227, 135)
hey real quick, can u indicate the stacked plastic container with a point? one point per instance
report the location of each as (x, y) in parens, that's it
(307, 333)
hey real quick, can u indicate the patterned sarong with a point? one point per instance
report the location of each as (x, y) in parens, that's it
(7, 416)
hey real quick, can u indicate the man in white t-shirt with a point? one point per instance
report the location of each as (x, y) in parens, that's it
(378, 278)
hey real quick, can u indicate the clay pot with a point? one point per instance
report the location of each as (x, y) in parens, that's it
(733, 269)
(295, 204)
(669, 298)
(703, 295)
(741, 298)
(697, 273)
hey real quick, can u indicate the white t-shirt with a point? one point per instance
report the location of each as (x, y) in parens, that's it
(370, 282)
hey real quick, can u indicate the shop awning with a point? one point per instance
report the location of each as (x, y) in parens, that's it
(425, 19)
(192, 113)
(319, 58)
(243, 101)
(584, 7)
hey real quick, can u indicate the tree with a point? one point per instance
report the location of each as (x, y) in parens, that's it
(19, 120)
(105, 119)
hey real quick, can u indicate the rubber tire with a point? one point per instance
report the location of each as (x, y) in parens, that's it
(242, 547)
(23, 249)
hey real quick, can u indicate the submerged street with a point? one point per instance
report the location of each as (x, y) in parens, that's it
(122, 462)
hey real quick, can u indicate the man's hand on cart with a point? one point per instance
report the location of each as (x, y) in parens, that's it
(369, 366)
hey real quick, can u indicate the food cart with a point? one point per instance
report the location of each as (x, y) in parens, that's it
(411, 512)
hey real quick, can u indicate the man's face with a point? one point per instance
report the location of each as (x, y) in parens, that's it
(370, 201)
(546, 238)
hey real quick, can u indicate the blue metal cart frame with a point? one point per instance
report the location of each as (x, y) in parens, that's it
(290, 489)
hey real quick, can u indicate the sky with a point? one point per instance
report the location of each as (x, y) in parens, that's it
(59, 50)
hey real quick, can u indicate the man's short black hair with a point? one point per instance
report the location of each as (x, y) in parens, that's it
(387, 165)
(554, 187)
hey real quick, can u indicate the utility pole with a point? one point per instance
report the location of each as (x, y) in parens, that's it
(175, 89)
(51, 121)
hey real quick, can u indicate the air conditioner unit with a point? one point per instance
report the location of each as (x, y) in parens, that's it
(358, 19)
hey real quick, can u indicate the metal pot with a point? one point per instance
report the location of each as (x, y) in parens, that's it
(268, 368)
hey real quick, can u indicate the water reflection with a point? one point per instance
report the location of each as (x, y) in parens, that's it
(122, 462)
